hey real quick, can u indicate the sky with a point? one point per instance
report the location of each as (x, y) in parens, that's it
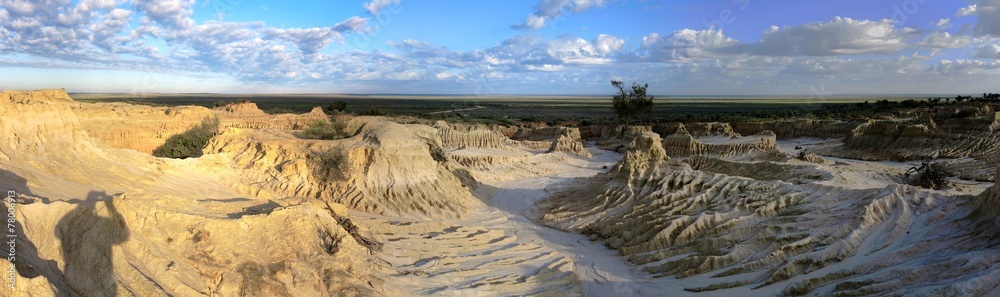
(678, 47)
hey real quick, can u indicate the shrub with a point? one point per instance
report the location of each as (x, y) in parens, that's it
(330, 164)
(191, 142)
(928, 176)
(437, 153)
(337, 106)
(325, 130)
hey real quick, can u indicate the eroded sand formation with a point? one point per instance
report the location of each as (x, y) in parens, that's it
(450, 209)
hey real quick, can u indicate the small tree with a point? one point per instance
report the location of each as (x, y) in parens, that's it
(631, 102)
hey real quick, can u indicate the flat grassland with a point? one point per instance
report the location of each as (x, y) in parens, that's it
(513, 109)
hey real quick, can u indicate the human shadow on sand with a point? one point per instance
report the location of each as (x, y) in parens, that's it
(86, 239)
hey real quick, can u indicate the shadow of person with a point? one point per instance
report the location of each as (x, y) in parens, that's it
(86, 237)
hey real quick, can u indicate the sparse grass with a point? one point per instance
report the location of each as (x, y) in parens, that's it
(191, 142)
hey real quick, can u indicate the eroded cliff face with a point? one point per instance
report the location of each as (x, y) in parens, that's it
(137, 127)
(145, 128)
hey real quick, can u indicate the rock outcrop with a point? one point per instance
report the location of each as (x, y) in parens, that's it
(786, 129)
(388, 169)
(683, 144)
(248, 115)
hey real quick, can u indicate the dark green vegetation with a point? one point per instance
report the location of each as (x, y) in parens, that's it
(228, 103)
(579, 110)
(191, 142)
(631, 102)
(325, 130)
(329, 165)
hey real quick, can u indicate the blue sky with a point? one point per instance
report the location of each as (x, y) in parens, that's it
(713, 47)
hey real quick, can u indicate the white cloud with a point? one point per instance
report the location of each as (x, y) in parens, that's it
(607, 44)
(308, 40)
(967, 67)
(838, 37)
(966, 11)
(533, 22)
(169, 13)
(357, 24)
(376, 6)
(944, 23)
(108, 26)
(941, 39)
(548, 10)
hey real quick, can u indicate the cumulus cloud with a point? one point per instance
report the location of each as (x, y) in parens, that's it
(991, 51)
(840, 36)
(686, 44)
(548, 10)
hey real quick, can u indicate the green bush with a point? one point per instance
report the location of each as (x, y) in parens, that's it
(325, 130)
(329, 165)
(191, 142)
